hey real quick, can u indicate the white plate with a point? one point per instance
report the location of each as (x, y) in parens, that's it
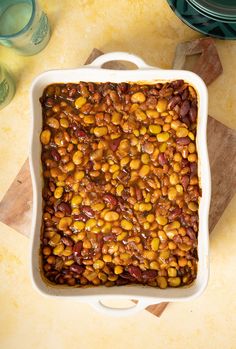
(144, 294)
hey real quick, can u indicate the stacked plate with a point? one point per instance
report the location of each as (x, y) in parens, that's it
(215, 18)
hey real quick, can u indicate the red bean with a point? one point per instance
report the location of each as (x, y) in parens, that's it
(184, 109)
(135, 272)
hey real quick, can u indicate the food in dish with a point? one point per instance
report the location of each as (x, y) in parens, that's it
(121, 187)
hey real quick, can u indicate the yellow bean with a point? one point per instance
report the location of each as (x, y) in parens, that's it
(154, 265)
(64, 223)
(161, 281)
(126, 225)
(98, 207)
(119, 189)
(162, 105)
(140, 115)
(172, 272)
(98, 264)
(174, 281)
(118, 269)
(135, 164)
(79, 102)
(53, 122)
(58, 249)
(124, 161)
(77, 157)
(58, 192)
(116, 118)
(100, 131)
(78, 175)
(155, 129)
(79, 225)
(107, 258)
(144, 171)
(150, 218)
(145, 158)
(91, 223)
(76, 201)
(89, 119)
(192, 157)
(181, 132)
(55, 240)
(121, 236)
(138, 97)
(152, 113)
(114, 168)
(172, 193)
(111, 216)
(174, 179)
(193, 206)
(163, 137)
(161, 220)
(155, 244)
(45, 137)
(64, 123)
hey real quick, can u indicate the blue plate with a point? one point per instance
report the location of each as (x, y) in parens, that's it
(204, 22)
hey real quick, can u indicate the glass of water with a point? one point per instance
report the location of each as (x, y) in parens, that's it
(7, 86)
(23, 26)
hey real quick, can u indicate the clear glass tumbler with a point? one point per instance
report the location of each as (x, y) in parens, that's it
(7, 86)
(23, 26)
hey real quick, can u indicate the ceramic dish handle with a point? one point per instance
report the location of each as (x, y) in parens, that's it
(119, 312)
(119, 56)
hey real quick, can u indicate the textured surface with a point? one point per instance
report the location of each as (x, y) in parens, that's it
(150, 29)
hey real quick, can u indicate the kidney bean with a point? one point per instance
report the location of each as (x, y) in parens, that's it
(110, 199)
(193, 168)
(162, 159)
(80, 133)
(77, 248)
(87, 210)
(121, 282)
(184, 109)
(138, 193)
(185, 94)
(67, 241)
(114, 144)
(127, 276)
(148, 275)
(193, 114)
(56, 156)
(174, 214)
(64, 207)
(135, 272)
(78, 269)
(183, 140)
(185, 182)
(109, 237)
(177, 84)
(173, 102)
(191, 234)
(178, 239)
(80, 217)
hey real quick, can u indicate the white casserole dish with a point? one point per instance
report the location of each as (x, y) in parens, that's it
(144, 294)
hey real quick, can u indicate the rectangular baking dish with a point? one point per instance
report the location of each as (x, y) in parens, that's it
(94, 73)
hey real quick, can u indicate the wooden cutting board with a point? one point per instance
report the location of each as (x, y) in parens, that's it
(16, 210)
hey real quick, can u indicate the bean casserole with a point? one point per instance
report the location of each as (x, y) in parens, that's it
(121, 186)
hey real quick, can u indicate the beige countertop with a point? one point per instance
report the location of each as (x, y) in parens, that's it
(28, 320)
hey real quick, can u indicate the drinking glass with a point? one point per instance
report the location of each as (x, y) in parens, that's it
(23, 26)
(7, 86)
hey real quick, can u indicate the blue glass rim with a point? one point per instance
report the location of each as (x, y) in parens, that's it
(202, 23)
(26, 27)
(212, 15)
(220, 11)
